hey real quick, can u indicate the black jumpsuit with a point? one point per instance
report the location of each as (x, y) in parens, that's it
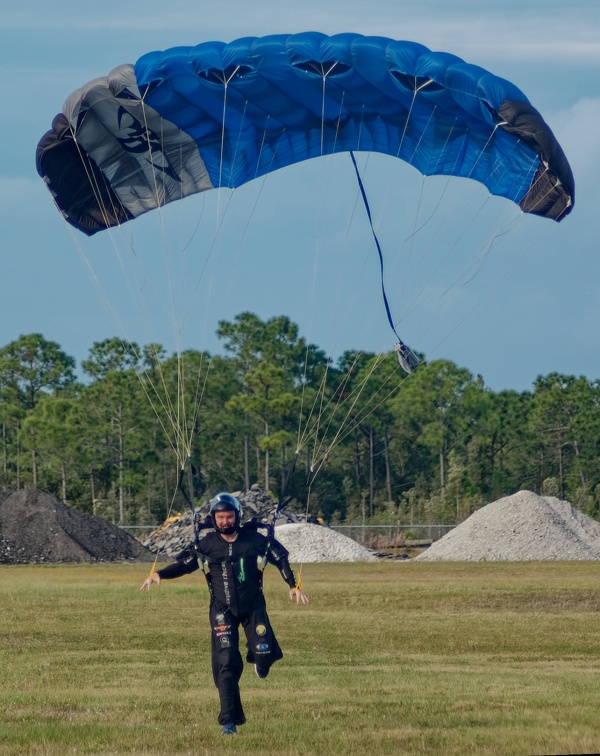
(234, 575)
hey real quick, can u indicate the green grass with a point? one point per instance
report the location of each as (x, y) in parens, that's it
(388, 658)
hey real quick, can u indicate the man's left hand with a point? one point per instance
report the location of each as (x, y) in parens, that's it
(299, 595)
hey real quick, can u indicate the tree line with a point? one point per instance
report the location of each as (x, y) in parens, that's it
(352, 441)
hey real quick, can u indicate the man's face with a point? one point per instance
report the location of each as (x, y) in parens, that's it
(225, 519)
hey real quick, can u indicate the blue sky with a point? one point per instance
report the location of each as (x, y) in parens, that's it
(297, 243)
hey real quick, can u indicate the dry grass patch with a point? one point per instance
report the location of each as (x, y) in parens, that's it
(421, 658)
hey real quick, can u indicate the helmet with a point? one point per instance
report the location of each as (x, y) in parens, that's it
(225, 502)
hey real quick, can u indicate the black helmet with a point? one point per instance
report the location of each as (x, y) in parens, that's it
(225, 502)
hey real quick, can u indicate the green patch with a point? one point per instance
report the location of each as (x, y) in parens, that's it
(388, 658)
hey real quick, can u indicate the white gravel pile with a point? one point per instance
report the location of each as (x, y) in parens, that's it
(519, 528)
(315, 543)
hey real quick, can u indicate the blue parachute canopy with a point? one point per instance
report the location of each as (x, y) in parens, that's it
(219, 115)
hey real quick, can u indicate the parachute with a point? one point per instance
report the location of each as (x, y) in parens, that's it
(218, 115)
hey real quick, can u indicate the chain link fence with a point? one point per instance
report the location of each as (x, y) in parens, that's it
(376, 537)
(380, 537)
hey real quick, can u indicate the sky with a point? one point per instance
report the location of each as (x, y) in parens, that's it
(469, 278)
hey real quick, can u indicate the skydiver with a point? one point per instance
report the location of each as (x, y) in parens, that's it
(233, 559)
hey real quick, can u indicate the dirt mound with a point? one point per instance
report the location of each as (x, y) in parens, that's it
(36, 528)
(520, 528)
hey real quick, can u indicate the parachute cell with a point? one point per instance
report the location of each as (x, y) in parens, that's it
(219, 115)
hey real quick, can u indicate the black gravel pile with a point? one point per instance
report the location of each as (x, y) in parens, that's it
(177, 532)
(36, 528)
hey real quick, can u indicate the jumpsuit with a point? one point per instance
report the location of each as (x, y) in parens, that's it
(234, 572)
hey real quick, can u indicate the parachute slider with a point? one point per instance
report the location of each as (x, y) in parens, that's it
(406, 357)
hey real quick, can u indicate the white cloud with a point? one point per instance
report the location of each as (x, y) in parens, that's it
(21, 199)
(522, 32)
(577, 130)
(17, 190)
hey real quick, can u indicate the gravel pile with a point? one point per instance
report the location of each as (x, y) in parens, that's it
(306, 542)
(177, 532)
(520, 528)
(36, 528)
(315, 543)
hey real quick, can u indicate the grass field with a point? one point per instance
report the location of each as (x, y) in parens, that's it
(388, 658)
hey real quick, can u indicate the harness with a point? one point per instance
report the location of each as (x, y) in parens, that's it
(252, 524)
